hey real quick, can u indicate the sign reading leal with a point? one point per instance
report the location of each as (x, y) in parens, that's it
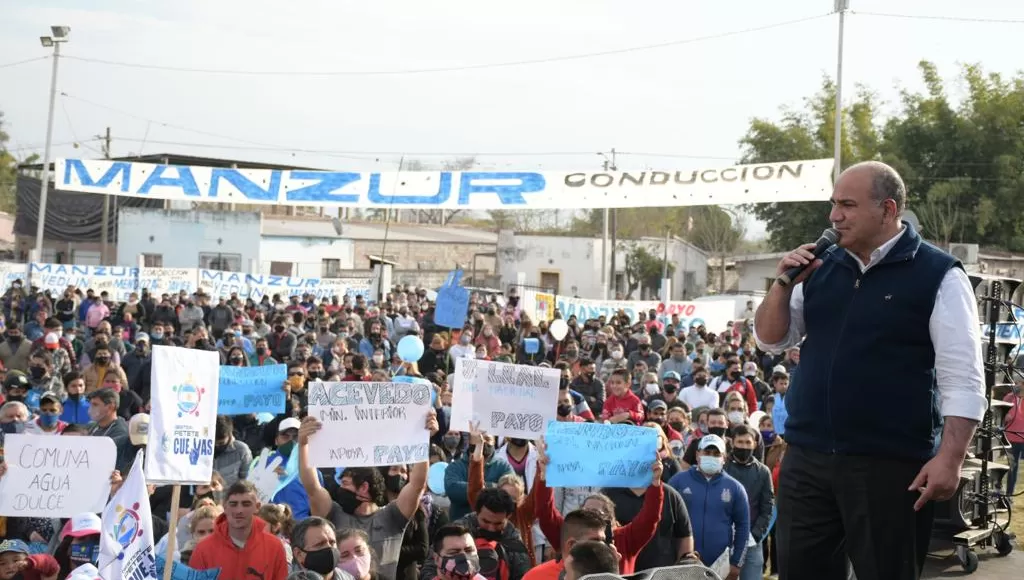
(599, 454)
(763, 182)
(369, 424)
(508, 400)
(55, 477)
(184, 411)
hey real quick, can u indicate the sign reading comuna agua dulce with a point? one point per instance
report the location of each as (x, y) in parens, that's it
(758, 183)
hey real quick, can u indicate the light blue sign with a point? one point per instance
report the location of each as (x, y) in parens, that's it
(245, 390)
(599, 455)
(452, 304)
(180, 571)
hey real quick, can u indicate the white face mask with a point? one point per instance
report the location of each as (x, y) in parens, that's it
(378, 360)
(735, 417)
(617, 354)
(652, 389)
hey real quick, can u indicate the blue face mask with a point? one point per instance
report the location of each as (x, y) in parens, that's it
(86, 552)
(47, 420)
(710, 465)
(157, 335)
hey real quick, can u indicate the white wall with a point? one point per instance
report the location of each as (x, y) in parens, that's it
(305, 254)
(179, 236)
(753, 273)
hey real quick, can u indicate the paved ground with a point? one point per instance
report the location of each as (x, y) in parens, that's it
(990, 567)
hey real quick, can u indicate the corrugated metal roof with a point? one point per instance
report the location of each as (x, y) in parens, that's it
(298, 228)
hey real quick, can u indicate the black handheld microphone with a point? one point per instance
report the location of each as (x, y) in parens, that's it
(829, 238)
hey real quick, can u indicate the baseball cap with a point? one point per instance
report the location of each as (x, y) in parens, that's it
(671, 375)
(86, 524)
(657, 404)
(51, 341)
(750, 368)
(711, 441)
(16, 546)
(289, 423)
(138, 429)
(142, 337)
(779, 369)
(85, 572)
(49, 396)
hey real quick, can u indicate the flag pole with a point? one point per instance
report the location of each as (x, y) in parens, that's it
(172, 532)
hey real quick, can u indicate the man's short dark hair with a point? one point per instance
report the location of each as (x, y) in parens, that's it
(241, 487)
(578, 522)
(298, 536)
(106, 396)
(622, 374)
(586, 361)
(717, 411)
(448, 531)
(370, 476)
(496, 500)
(741, 430)
(294, 364)
(358, 362)
(224, 426)
(592, 557)
(777, 376)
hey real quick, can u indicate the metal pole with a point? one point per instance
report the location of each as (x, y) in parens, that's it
(664, 271)
(841, 6)
(105, 221)
(614, 228)
(604, 248)
(45, 186)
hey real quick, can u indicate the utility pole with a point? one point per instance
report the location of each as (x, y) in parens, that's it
(615, 217)
(105, 223)
(841, 6)
(664, 271)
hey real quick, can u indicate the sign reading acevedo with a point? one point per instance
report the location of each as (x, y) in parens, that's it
(758, 183)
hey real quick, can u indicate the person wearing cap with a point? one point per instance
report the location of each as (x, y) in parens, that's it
(657, 412)
(50, 410)
(138, 432)
(43, 377)
(718, 507)
(669, 391)
(16, 386)
(79, 542)
(293, 494)
(677, 361)
(17, 562)
(753, 374)
(53, 326)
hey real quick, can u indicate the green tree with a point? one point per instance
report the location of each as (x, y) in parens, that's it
(719, 233)
(642, 267)
(9, 171)
(635, 222)
(808, 134)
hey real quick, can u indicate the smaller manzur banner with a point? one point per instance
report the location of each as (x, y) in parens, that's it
(728, 185)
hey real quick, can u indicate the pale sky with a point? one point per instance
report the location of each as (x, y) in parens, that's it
(683, 105)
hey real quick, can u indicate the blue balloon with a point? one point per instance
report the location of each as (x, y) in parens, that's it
(435, 477)
(410, 348)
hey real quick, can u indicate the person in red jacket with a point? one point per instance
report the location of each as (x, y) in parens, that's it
(240, 545)
(621, 405)
(16, 562)
(628, 539)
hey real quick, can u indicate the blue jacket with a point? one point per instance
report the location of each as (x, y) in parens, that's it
(719, 512)
(76, 413)
(456, 482)
(852, 396)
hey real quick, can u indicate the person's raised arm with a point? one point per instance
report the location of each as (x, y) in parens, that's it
(548, 517)
(320, 501)
(409, 498)
(773, 321)
(476, 464)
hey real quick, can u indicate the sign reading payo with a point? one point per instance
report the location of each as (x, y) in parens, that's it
(765, 182)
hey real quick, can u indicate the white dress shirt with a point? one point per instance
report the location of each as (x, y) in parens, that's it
(955, 332)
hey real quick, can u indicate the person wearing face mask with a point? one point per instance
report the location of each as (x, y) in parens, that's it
(455, 555)
(236, 357)
(464, 348)
(456, 477)
(616, 360)
(101, 365)
(241, 545)
(587, 384)
(488, 339)
(314, 547)
(699, 394)
(374, 341)
(261, 355)
(565, 410)
(281, 342)
(756, 479)
(14, 351)
(733, 381)
(677, 361)
(103, 405)
(76, 405)
(719, 524)
(231, 458)
(358, 502)
(79, 542)
(16, 387)
(716, 424)
(48, 419)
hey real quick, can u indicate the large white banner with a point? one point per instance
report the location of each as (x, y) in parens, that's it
(126, 541)
(368, 424)
(183, 417)
(169, 280)
(713, 315)
(508, 400)
(117, 281)
(55, 477)
(479, 190)
(10, 271)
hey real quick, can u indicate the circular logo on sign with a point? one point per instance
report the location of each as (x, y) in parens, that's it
(189, 397)
(128, 525)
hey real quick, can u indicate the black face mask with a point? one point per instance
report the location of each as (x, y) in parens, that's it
(742, 455)
(564, 410)
(734, 376)
(322, 561)
(261, 351)
(670, 388)
(720, 431)
(103, 360)
(395, 483)
(347, 500)
(315, 375)
(488, 450)
(488, 535)
(677, 425)
(700, 381)
(236, 361)
(563, 383)
(202, 344)
(37, 372)
(279, 328)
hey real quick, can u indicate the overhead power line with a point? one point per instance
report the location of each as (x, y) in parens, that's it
(16, 63)
(946, 18)
(546, 60)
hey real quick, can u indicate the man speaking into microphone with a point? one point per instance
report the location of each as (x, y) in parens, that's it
(890, 333)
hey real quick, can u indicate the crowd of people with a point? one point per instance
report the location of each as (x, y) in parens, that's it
(79, 364)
